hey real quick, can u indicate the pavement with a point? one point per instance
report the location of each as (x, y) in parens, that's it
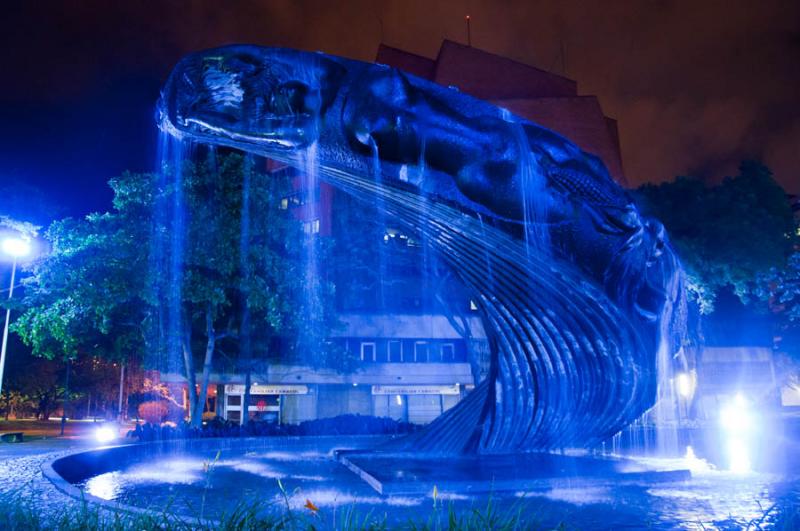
(44, 436)
(20, 463)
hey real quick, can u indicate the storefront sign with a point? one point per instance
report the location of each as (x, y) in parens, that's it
(416, 389)
(268, 390)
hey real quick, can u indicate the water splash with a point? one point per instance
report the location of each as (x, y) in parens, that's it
(166, 253)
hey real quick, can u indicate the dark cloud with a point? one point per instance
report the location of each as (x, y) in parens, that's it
(696, 86)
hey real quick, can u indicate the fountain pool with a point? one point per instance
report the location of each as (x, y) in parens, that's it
(212, 477)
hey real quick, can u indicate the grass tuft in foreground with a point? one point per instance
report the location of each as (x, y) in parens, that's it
(18, 513)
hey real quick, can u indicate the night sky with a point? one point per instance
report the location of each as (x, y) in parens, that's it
(696, 86)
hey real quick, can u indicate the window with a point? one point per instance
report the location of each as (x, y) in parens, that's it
(263, 401)
(448, 352)
(395, 348)
(434, 353)
(396, 237)
(421, 351)
(299, 198)
(367, 351)
(311, 227)
(381, 353)
(211, 405)
(234, 400)
(294, 200)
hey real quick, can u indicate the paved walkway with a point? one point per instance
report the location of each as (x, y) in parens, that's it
(20, 463)
(21, 473)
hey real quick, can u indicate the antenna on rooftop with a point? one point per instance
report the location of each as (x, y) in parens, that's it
(469, 34)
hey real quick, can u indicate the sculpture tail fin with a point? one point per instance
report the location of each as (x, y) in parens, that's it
(457, 431)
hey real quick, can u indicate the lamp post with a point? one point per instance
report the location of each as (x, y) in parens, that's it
(16, 248)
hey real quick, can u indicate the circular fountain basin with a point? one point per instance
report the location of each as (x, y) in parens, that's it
(214, 476)
(224, 471)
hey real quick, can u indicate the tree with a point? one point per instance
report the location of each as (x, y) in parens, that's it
(86, 295)
(782, 287)
(726, 235)
(786, 288)
(243, 265)
(33, 386)
(173, 270)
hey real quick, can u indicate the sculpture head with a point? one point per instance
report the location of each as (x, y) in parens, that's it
(247, 95)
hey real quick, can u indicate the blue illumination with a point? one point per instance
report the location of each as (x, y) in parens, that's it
(577, 290)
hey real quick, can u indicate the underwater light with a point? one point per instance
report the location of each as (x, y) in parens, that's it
(736, 416)
(684, 383)
(105, 434)
(738, 456)
(736, 419)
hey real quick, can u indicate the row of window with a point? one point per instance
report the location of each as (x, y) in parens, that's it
(311, 227)
(408, 351)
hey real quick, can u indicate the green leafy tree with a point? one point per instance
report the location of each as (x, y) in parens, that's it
(34, 387)
(245, 277)
(85, 296)
(185, 283)
(726, 235)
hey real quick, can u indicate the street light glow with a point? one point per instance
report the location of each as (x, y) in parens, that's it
(16, 247)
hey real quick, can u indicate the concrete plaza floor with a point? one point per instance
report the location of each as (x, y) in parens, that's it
(45, 435)
(20, 463)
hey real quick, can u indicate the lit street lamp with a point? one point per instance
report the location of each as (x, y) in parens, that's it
(16, 248)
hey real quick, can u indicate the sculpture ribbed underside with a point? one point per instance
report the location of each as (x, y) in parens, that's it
(568, 369)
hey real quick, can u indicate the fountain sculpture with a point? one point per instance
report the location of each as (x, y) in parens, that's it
(578, 292)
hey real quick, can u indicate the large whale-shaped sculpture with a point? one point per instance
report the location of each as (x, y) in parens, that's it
(576, 289)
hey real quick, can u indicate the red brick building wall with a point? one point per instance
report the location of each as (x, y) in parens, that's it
(542, 97)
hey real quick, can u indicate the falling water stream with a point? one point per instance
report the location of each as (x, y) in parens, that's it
(166, 253)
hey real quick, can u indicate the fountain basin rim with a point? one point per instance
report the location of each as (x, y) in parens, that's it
(69, 489)
(54, 469)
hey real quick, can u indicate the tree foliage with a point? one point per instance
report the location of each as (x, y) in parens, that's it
(782, 286)
(85, 296)
(730, 234)
(186, 263)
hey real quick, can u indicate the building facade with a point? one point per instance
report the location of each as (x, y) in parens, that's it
(411, 368)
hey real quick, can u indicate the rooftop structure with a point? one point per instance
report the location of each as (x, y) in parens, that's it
(543, 97)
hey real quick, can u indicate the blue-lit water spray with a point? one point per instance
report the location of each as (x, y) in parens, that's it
(166, 254)
(533, 193)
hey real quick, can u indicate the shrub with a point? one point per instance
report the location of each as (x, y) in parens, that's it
(153, 411)
(341, 425)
